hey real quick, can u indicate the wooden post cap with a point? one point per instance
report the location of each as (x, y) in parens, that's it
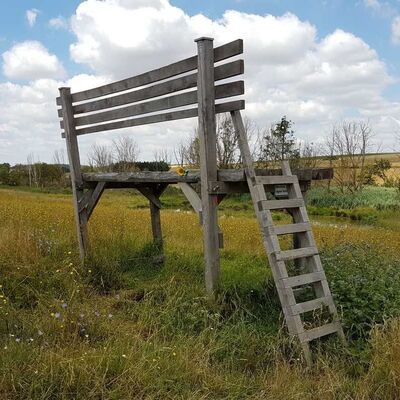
(200, 39)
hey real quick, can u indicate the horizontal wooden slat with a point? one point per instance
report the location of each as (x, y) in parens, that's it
(296, 253)
(276, 180)
(179, 100)
(280, 204)
(170, 116)
(304, 279)
(220, 53)
(311, 305)
(320, 331)
(292, 228)
(224, 175)
(223, 71)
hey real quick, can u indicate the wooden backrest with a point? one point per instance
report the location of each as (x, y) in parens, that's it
(144, 96)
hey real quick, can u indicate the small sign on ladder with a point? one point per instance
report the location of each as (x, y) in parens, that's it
(281, 192)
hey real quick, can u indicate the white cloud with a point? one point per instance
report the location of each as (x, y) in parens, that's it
(375, 4)
(380, 7)
(29, 121)
(30, 60)
(31, 16)
(289, 69)
(58, 23)
(396, 30)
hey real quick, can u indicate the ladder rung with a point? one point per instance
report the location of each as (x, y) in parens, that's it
(305, 279)
(320, 331)
(276, 179)
(280, 204)
(292, 228)
(296, 253)
(311, 305)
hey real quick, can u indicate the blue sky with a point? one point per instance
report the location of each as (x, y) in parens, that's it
(372, 25)
(355, 43)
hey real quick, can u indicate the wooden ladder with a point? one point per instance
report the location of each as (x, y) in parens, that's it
(312, 272)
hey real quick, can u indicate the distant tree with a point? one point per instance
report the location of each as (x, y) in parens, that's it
(179, 153)
(192, 151)
(279, 143)
(33, 171)
(309, 155)
(227, 142)
(162, 155)
(100, 158)
(349, 142)
(4, 174)
(125, 152)
(377, 169)
(59, 157)
(19, 175)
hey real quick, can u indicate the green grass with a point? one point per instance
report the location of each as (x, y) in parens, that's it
(378, 198)
(127, 327)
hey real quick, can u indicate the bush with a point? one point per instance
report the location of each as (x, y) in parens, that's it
(365, 285)
(152, 166)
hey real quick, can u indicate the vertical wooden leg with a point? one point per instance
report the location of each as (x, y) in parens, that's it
(208, 160)
(156, 225)
(81, 216)
(81, 219)
(211, 242)
(307, 354)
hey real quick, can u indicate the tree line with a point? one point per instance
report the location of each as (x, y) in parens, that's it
(345, 149)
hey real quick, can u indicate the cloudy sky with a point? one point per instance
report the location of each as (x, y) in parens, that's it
(316, 61)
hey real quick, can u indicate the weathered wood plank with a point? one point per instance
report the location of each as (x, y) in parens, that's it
(220, 53)
(280, 204)
(304, 279)
(149, 194)
(292, 228)
(312, 334)
(297, 253)
(94, 198)
(193, 198)
(170, 116)
(208, 161)
(193, 176)
(276, 180)
(155, 216)
(179, 100)
(311, 305)
(223, 71)
(81, 217)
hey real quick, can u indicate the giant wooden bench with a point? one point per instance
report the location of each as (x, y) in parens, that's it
(200, 86)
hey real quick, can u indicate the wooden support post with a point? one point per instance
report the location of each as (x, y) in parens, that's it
(208, 160)
(94, 197)
(153, 194)
(195, 201)
(81, 217)
(156, 225)
(193, 198)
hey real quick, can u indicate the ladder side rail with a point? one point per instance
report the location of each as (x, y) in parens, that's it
(270, 240)
(321, 288)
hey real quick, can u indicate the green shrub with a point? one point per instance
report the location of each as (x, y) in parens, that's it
(365, 285)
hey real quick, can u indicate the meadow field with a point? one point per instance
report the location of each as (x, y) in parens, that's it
(128, 327)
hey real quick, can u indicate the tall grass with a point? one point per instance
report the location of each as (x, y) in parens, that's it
(126, 327)
(379, 198)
